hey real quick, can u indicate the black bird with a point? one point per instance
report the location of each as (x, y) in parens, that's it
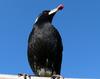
(45, 45)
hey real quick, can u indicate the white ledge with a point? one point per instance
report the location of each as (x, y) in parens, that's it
(6, 76)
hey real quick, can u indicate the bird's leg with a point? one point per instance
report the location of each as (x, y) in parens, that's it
(57, 77)
(24, 75)
(29, 76)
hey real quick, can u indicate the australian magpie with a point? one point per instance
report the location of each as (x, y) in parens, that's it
(45, 45)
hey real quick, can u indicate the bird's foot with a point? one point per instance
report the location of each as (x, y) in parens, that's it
(57, 77)
(24, 75)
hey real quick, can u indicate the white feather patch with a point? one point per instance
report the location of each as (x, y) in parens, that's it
(36, 20)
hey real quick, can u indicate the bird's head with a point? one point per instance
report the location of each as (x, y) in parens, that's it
(47, 15)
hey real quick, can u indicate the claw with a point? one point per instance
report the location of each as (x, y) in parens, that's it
(57, 77)
(24, 75)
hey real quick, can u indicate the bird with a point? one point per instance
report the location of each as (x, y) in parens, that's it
(45, 45)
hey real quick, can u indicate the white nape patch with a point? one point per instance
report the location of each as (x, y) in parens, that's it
(36, 19)
(53, 11)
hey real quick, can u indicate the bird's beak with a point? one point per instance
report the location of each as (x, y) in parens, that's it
(60, 7)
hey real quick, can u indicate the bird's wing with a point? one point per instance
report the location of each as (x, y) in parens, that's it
(58, 55)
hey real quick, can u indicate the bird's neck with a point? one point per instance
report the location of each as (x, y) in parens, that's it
(43, 20)
(43, 24)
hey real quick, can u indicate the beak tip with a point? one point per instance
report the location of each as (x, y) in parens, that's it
(60, 7)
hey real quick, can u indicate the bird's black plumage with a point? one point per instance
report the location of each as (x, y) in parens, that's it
(45, 46)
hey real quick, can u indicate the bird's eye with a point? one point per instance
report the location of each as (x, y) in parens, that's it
(45, 13)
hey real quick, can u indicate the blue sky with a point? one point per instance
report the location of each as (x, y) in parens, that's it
(78, 24)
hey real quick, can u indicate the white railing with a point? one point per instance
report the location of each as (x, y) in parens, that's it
(6, 76)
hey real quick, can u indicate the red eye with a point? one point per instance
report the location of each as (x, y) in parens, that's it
(46, 14)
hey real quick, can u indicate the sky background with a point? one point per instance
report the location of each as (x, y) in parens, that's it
(78, 24)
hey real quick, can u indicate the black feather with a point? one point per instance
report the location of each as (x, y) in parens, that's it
(45, 47)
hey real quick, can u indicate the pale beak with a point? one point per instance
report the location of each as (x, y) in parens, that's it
(60, 7)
